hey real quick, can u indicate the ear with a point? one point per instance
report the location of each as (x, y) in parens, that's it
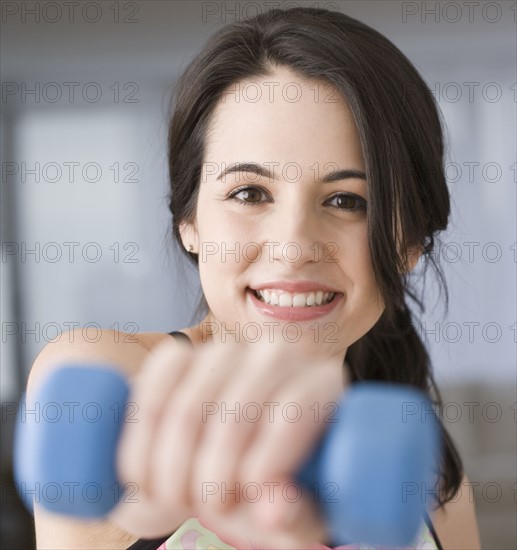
(189, 236)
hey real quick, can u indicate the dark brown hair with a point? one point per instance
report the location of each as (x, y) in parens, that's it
(401, 137)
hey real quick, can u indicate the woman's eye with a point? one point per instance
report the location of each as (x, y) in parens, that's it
(349, 202)
(250, 195)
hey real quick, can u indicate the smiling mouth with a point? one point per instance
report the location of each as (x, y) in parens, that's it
(294, 300)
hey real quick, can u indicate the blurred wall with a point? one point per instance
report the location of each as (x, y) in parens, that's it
(85, 240)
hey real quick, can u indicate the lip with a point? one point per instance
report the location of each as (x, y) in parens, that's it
(294, 313)
(295, 286)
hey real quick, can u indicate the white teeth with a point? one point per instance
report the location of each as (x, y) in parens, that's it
(299, 300)
(286, 299)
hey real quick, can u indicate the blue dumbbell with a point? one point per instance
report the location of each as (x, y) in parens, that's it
(370, 472)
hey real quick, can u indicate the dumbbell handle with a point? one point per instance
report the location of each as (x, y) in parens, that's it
(370, 472)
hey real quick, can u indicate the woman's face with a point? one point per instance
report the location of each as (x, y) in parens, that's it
(291, 226)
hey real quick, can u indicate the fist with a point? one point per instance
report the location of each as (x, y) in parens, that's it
(220, 431)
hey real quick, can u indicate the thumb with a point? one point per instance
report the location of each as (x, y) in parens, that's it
(292, 510)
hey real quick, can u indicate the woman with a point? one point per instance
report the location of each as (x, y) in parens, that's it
(306, 171)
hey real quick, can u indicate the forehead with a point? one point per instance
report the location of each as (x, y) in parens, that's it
(283, 117)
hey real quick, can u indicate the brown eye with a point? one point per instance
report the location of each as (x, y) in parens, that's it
(250, 195)
(349, 202)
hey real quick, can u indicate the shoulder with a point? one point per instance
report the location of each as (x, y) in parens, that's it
(455, 523)
(125, 351)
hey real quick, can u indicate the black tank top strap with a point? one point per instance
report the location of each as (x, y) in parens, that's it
(181, 336)
(148, 544)
(433, 531)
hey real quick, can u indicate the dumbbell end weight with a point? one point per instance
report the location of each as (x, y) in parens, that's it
(373, 469)
(66, 439)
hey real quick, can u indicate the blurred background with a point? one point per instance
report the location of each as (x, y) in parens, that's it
(85, 225)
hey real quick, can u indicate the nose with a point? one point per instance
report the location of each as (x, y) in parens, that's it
(295, 236)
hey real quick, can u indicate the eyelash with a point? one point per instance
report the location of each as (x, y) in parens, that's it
(362, 202)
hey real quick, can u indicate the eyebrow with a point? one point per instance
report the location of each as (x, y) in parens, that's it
(264, 171)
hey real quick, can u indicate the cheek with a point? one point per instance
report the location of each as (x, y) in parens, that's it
(373, 296)
(222, 242)
(230, 241)
(220, 222)
(357, 264)
(356, 255)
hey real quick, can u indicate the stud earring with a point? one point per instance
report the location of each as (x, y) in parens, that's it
(190, 248)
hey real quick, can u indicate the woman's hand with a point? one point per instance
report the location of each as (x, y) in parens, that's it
(221, 429)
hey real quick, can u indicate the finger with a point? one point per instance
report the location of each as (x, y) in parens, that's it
(281, 449)
(181, 423)
(291, 513)
(136, 512)
(240, 407)
(146, 518)
(161, 371)
(239, 527)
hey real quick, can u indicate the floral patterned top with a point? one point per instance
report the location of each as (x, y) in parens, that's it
(192, 535)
